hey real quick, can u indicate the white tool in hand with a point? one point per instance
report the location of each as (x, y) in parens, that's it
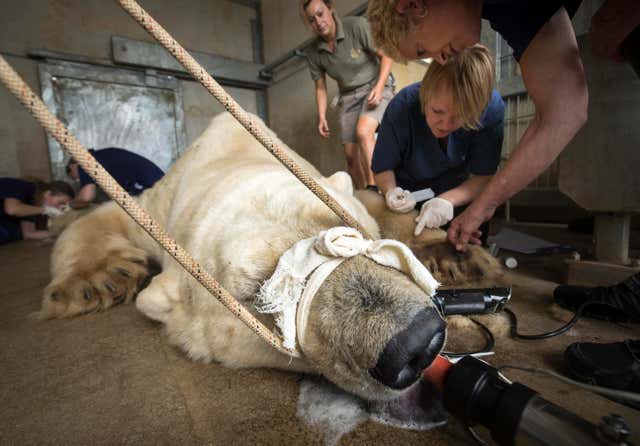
(422, 195)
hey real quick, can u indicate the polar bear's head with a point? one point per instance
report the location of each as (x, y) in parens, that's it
(372, 330)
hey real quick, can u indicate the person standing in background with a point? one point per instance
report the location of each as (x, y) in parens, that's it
(345, 51)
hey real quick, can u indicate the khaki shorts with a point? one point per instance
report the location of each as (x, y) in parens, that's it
(353, 104)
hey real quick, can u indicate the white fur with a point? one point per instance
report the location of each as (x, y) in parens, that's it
(236, 210)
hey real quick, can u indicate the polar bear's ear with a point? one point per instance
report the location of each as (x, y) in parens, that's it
(342, 182)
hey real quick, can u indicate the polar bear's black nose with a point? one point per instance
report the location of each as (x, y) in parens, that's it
(410, 351)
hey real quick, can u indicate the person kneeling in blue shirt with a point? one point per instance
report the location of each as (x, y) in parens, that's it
(132, 171)
(444, 133)
(22, 202)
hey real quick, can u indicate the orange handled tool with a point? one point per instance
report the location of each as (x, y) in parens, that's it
(437, 371)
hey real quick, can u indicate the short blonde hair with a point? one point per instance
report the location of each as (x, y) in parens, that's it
(388, 27)
(470, 78)
(302, 10)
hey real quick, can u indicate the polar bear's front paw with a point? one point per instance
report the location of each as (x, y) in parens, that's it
(452, 268)
(115, 279)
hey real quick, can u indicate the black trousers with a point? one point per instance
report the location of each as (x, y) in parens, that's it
(9, 231)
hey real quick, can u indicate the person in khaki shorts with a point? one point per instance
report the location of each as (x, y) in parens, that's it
(344, 50)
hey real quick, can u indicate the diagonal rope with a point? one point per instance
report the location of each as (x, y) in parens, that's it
(68, 141)
(248, 122)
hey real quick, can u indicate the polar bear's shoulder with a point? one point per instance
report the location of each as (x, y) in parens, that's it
(226, 136)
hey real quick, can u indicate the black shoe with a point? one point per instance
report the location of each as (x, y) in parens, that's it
(372, 187)
(615, 365)
(616, 303)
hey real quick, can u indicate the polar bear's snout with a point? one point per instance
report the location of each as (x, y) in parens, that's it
(410, 351)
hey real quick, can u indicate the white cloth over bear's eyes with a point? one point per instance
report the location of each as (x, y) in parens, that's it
(434, 213)
(281, 293)
(399, 200)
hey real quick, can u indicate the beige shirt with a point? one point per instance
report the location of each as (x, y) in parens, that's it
(354, 62)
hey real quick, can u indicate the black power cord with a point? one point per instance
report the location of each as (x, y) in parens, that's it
(491, 342)
(558, 331)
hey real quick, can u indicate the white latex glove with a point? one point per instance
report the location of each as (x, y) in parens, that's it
(434, 213)
(398, 200)
(50, 211)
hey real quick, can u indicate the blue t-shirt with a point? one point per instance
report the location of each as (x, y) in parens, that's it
(132, 171)
(406, 145)
(519, 21)
(22, 190)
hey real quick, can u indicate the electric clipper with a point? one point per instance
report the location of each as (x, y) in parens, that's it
(471, 301)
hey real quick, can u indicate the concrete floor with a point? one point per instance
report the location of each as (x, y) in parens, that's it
(111, 378)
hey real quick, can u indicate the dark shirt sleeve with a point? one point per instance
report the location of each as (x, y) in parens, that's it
(387, 154)
(518, 22)
(84, 178)
(486, 149)
(23, 191)
(486, 144)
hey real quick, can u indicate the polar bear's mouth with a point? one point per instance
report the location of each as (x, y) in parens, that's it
(334, 412)
(419, 408)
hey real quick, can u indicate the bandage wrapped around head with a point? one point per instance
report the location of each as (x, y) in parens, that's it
(320, 255)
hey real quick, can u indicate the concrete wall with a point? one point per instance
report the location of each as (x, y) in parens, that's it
(84, 28)
(291, 98)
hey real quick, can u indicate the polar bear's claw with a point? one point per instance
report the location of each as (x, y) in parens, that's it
(115, 279)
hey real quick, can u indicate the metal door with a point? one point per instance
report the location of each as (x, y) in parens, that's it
(112, 107)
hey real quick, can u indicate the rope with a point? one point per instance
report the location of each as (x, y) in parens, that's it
(106, 182)
(249, 123)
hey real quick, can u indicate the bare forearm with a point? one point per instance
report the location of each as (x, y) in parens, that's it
(385, 69)
(385, 181)
(87, 193)
(29, 231)
(37, 235)
(79, 204)
(321, 99)
(540, 145)
(467, 191)
(16, 208)
(85, 196)
(553, 74)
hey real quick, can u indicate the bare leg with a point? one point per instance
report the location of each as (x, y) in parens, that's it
(354, 165)
(365, 131)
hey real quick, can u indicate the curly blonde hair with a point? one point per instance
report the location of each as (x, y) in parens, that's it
(388, 27)
(469, 76)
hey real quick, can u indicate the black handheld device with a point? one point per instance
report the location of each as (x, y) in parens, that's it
(471, 301)
(474, 392)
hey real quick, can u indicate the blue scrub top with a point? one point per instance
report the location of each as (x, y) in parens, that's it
(406, 145)
(22, 190)
(518, 21)
(132, 171)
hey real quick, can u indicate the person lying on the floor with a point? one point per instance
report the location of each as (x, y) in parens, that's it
(133, 172)
(444, 133)
(22, 201)
(615, 365)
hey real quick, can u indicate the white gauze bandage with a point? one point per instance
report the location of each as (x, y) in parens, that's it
(281, 293)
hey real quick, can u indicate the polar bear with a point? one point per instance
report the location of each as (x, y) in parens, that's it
(236, 209)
